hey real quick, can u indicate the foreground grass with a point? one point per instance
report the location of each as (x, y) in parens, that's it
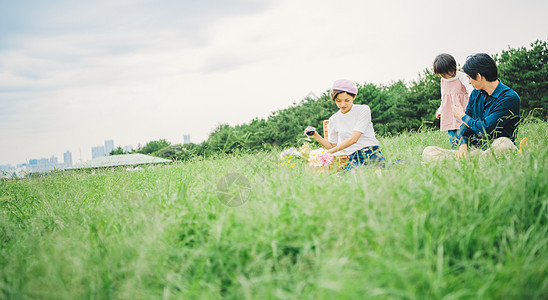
(458, 230)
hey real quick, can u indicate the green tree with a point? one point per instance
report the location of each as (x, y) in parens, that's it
(425, 98)
(526, 71)
(154, 146)
(374, 96)
(177, 152)
(117, 151)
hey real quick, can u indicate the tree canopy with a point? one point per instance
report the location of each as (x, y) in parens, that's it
(526, 71)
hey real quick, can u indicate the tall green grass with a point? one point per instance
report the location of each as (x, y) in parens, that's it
(455, 230)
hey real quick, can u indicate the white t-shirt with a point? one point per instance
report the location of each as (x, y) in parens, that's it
(341, 126)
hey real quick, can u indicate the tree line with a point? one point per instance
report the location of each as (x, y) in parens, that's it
(395, 108)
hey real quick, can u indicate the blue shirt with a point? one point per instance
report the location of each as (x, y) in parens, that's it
(490, 116)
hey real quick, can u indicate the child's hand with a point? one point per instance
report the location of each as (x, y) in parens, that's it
(458, 111)
(438, 115)
(462, 152)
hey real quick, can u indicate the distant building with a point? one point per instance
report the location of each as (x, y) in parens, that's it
(6, 167)
(98, 151)
(109, 146)
(41, 164)
(128, 148)
(67, 159)
(186, 139)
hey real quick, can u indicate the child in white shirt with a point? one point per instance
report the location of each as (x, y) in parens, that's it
(350, 129)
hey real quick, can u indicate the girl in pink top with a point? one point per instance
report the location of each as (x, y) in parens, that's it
(455, 89)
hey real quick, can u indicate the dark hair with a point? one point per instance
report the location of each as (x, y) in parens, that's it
(336, 93)
(483, 64)
(445, 64)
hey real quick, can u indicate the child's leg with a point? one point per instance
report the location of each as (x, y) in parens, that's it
(365, 156)
(375, 156)
(453, 141)
(354, 160)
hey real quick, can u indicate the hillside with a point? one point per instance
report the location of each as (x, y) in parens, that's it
(458, 230)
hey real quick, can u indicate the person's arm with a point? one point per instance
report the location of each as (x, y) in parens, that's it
(333, 136)
(325, 143)
(463, 134)
(346, 143)
(504, 108)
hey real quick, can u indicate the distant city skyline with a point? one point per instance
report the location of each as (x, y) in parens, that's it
(95, 151)
(41, 164)
(44, 164)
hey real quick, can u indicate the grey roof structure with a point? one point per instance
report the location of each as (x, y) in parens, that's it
(119, 160)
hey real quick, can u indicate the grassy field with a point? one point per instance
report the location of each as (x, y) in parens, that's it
(459, 230)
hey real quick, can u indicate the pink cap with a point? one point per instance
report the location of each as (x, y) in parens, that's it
(345, 86)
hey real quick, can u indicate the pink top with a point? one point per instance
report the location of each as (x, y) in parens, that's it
(453, 91)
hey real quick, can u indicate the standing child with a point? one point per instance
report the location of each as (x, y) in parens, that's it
(455, 90)
(350, 129)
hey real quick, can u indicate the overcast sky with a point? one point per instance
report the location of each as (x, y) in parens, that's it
(76, 73)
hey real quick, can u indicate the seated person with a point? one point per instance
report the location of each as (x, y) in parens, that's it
(350, 129)
(492, 113)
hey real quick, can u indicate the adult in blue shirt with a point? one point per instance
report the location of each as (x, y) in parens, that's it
(493, 108)
(492, 114)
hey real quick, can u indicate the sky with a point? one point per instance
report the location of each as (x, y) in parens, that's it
(76, 73)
